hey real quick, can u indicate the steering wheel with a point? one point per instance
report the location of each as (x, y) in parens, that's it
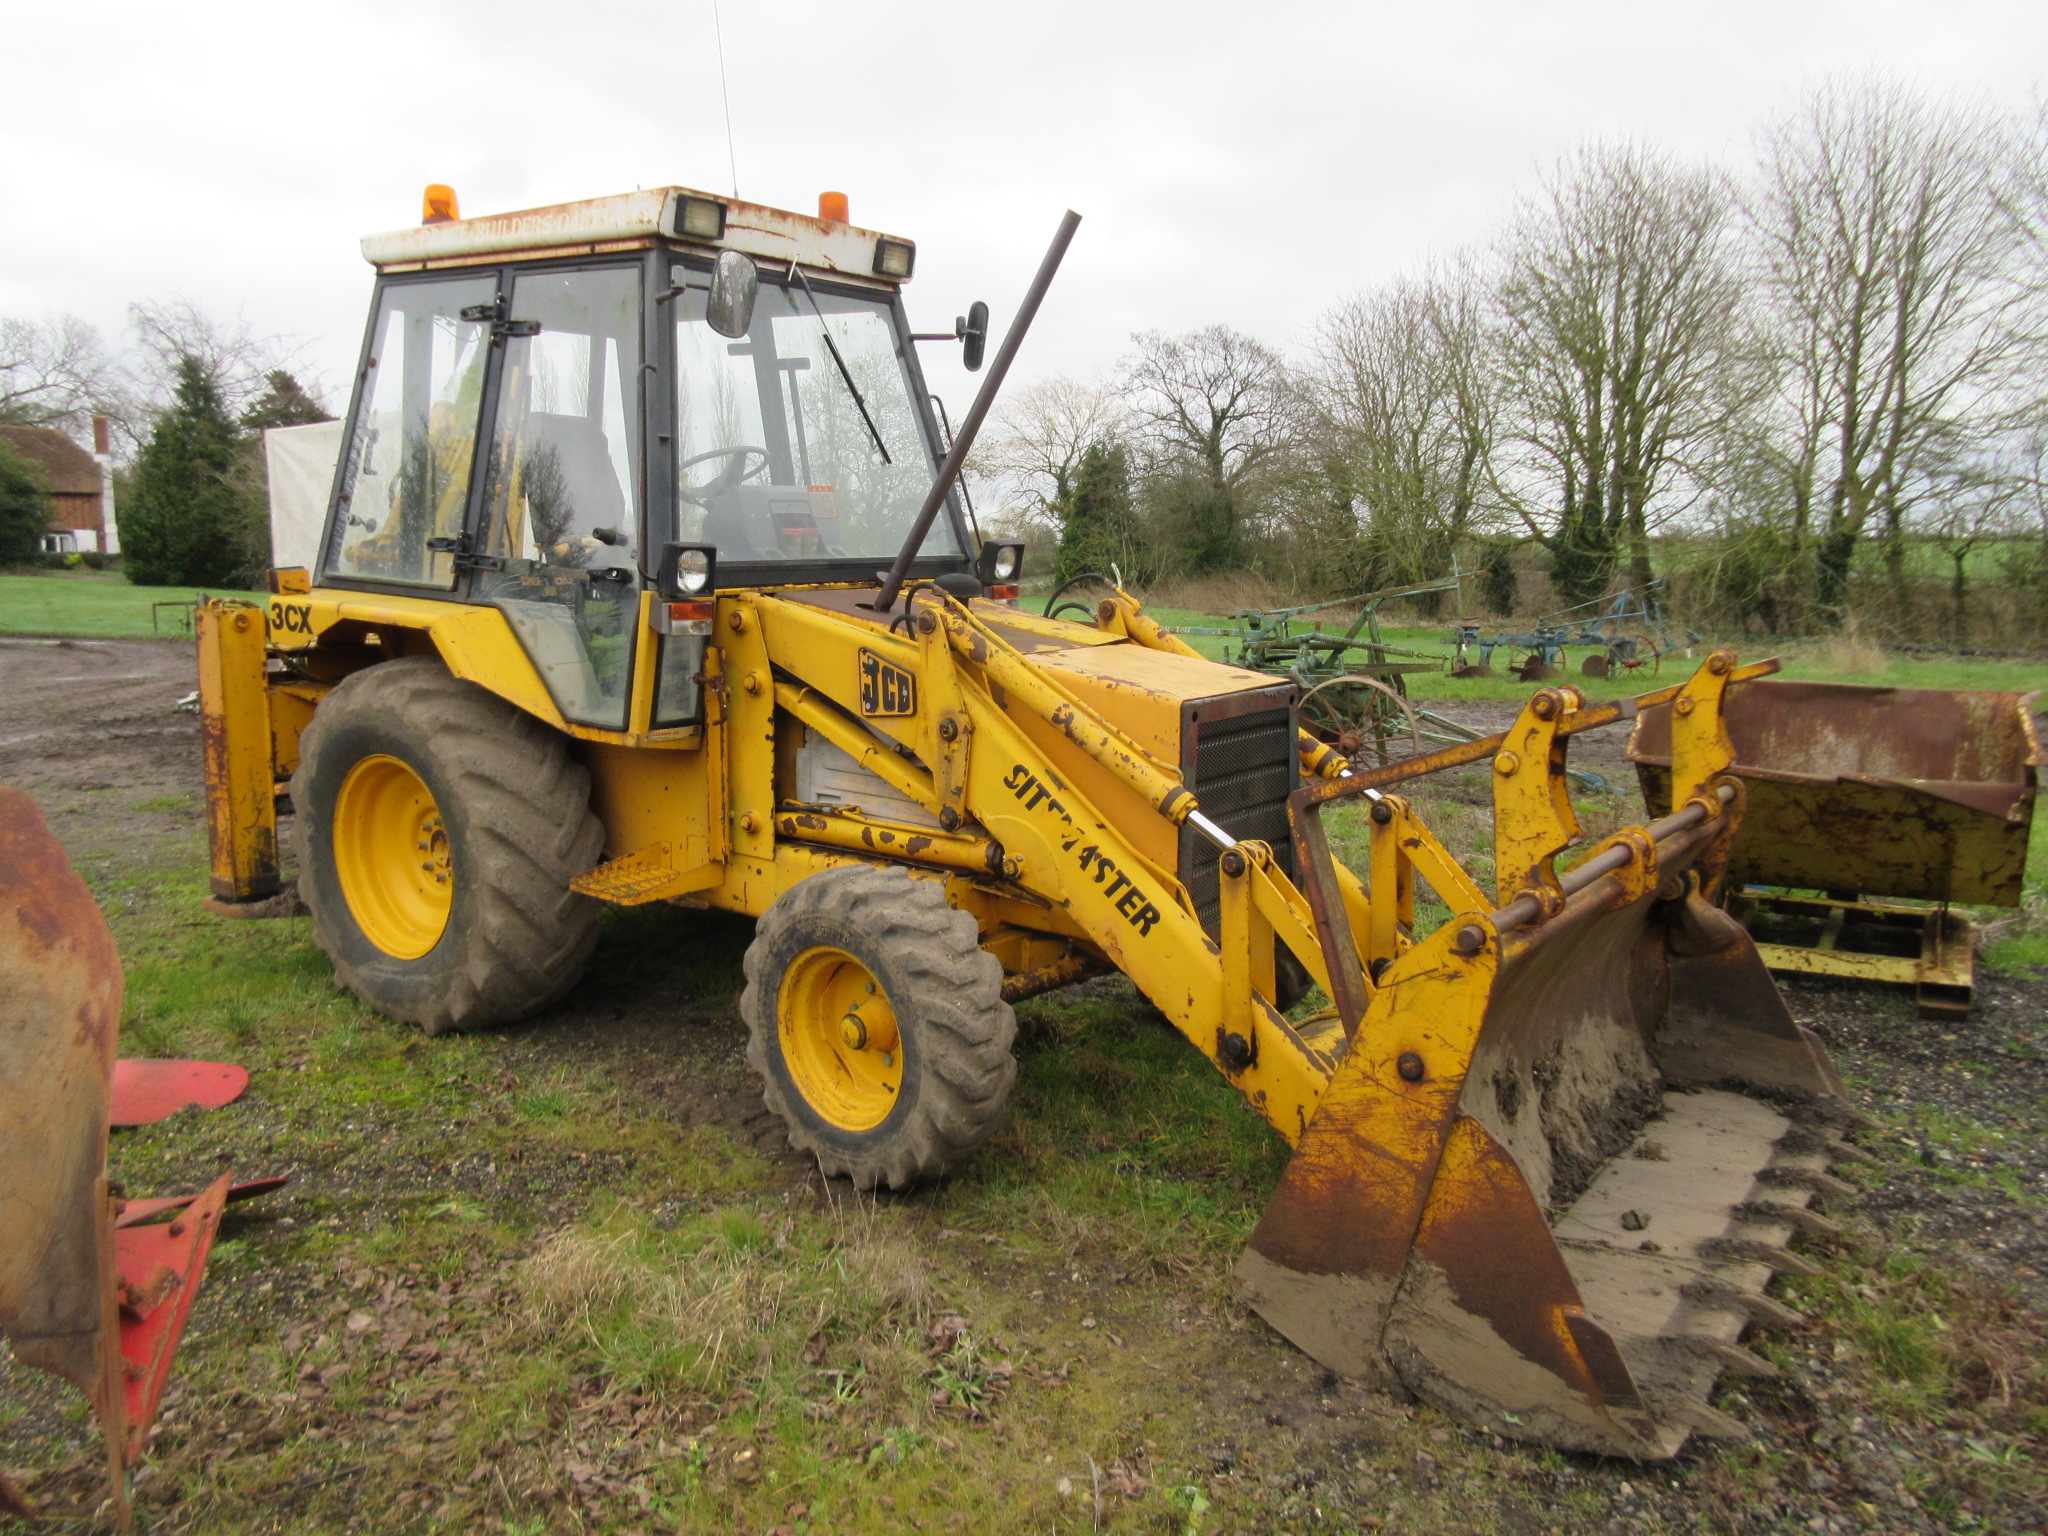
(732, 475)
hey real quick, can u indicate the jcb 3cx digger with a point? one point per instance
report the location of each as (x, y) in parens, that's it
(643, 580)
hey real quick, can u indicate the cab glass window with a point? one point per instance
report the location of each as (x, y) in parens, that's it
(561, 498)
(805, 439)
(406, 474)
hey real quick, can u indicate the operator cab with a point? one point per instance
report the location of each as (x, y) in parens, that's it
(548, 400)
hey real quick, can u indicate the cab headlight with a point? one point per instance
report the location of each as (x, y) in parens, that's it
(1000, 563)
(688, 570)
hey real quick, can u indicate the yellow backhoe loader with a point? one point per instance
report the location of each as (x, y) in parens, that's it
(645, 578)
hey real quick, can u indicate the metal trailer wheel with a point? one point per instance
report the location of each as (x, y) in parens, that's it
(438, 828)
(877, 1024)
(1363, 719)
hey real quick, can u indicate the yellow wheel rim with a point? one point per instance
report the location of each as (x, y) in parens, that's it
(839, 1038)
(391, 854)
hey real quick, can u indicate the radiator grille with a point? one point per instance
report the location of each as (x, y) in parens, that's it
(1242, 766)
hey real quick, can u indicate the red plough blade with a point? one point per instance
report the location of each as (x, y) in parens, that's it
(148, 1091)
(159, 1268)
(135, 1213)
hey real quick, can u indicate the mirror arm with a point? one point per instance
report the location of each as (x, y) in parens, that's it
(970, 426)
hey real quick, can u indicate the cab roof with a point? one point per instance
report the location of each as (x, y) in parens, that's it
(633, 220)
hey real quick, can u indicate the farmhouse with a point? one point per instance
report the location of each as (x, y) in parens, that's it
(81, 488)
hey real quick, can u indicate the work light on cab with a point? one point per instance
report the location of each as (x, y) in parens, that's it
(700, 218)
(688, 570)
(1000, 565)
(894, 258)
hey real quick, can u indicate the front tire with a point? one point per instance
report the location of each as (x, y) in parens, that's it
(877, 1024)
(438, 828)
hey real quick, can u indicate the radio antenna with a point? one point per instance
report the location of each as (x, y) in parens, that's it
(725, 94)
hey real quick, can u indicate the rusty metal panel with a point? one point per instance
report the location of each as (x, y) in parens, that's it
(235, 740)
(775, 234)
(1920, 793)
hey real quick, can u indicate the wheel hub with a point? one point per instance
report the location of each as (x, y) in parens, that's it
(839, 1038)
(392, 858)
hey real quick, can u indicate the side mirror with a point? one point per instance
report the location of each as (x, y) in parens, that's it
(735, 280)
(972, 329)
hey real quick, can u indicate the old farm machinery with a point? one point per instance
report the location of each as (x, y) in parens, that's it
(1874, 814)
(601, 616)
(1628, 634)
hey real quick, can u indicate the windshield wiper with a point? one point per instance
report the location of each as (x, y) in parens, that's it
(832, 346)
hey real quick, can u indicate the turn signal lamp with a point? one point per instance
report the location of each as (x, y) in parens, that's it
(833, 209)
(438, 205)
(684, 618)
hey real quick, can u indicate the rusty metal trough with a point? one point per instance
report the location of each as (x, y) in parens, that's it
(1870, 797)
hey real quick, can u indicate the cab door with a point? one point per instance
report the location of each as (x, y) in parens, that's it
(559, 511)
(403, 491)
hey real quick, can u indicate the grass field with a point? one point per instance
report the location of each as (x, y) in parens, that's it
(96, 605)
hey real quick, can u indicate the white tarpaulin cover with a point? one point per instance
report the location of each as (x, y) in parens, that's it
(301, 462)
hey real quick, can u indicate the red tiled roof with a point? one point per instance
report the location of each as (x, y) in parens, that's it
(68, 468)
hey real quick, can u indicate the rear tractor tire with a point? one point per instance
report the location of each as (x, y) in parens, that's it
(438, 828)
(877, 1024)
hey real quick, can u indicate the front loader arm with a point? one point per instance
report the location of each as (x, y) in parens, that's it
(1009, 808)
(1499, 1107)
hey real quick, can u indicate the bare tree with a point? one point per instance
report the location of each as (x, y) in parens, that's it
(1890, 230)
(1033, 451)
(1212, 405)
(1399, 421)
(235, 359)
(54, 372)
(1618, 311)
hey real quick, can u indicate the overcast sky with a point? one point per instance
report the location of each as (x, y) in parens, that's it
(1248, 163)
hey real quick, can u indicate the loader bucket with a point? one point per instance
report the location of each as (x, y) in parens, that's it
(1910, 792)
(1566, 1149)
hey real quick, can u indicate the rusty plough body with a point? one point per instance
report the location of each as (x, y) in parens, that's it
(93, 1288)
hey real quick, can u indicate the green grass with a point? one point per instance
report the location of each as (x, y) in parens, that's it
(96, 605)
(517, 1292)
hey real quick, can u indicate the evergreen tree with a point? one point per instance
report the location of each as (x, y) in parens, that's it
(24, 509)
(1099, 529)
(186, 524)
(1499, 588)
(285, 402)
